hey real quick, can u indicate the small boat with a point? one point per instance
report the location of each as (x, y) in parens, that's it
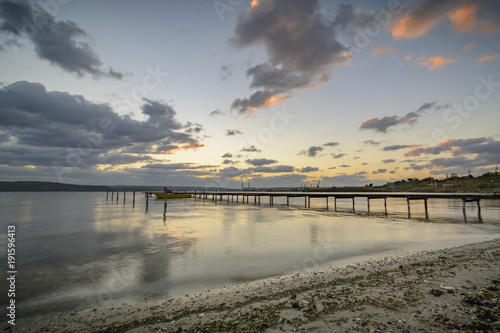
(161, 195)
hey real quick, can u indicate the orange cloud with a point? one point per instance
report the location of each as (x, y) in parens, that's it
(446, 143)
(410, 26)
(436, 62)
(275, 100)
(428, 14)
(487, 57)
(254, 3)
(176, 148)
(464, 18)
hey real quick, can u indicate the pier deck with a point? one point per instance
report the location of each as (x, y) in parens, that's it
(409, 196)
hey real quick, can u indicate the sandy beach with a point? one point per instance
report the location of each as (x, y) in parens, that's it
(448, 290)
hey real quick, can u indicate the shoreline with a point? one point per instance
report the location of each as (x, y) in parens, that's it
(431, 291)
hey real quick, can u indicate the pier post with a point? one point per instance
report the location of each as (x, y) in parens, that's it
(288, 201)
(305, 201)
(124, 197)
(478, 206)
(385, 206)
(426, 210)
(112, 195)
(353, 206)
(408, 203)
(326, 203)
(215, 196)
(334, 204)
(164, 201)
(133, 200)
(368, 204)
(147, 200)
(117, 194)
(107, 193)
(255, 199)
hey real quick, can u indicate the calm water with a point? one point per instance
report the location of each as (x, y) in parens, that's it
(78, 250)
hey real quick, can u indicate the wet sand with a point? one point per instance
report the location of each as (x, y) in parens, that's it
(435, 291)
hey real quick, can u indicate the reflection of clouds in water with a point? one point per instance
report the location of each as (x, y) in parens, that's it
(112, 253)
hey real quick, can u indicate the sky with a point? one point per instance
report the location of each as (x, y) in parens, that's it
(225, 92)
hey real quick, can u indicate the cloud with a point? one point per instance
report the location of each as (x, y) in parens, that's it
(308, 169)
(227, 155)
(469, 46)
(344, 166)
(435, 62)
(226, 71)
(65, 125)
(260, 161)
(331, 144)
(397, 147)
(193, 127)
(226, 161)
(371, 142)
(487, 57)
(62, 43)
(356, 179)
(465, 153)
(381, 49)
(258, 99)
(450, 162)
(176, 166)
(286, 180)
(274, 169)
(388, 161)
(384, 123)
(312, 151)
(426, 15)
(464, 18)
(418, 167)
(335, 156)
(251, 149)
(379, 171)
(301, 45)
(461, 145)
(236, 172)
(216, 113)
(419, 20)
(232, 132)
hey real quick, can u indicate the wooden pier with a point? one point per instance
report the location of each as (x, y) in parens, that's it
(409, 196)
(234, 196)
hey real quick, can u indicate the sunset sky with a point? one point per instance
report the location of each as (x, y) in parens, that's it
(272, 92)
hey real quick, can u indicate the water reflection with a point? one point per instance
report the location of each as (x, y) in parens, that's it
(79, 250)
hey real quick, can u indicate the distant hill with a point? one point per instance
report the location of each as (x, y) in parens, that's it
(32, 186)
